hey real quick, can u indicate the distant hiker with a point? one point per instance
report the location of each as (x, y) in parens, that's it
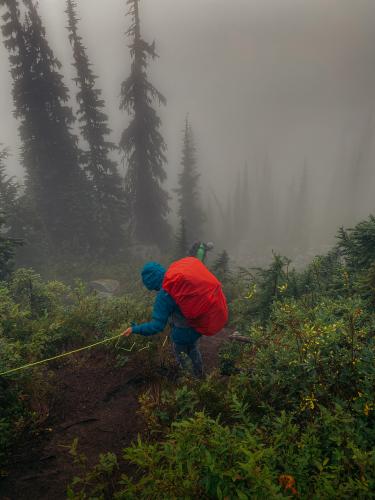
(199, 250)
(192, 299)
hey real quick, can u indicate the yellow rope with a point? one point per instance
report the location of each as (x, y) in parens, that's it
(29, 365)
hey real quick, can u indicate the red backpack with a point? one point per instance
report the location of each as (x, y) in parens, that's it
(198, 294)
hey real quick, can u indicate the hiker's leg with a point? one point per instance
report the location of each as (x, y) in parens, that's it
(196, 359)
(181, 352)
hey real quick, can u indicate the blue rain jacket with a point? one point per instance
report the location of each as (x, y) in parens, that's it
(164, 308)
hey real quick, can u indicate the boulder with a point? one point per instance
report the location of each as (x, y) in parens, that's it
(104, 287)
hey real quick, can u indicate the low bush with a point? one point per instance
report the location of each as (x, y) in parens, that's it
(292, 413)
(41, 319)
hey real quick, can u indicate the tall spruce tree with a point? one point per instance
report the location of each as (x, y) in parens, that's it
(246, 215)
(289, 221)
(190, 209)
(181, 241)
(303, 216)
(228, 237)
(56, 187)
(11, 204)
(298, 219)
(109, 207)
(8, 188)
(265, 224)
(211, 219)
(221, 266)
(7, 249)
(241, 207)
(143, 144)
(237, 208)
(19, 222)
(359, 190)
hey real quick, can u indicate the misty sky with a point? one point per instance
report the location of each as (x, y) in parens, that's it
(291, 78)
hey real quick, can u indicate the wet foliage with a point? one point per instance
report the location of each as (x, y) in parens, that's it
(292, 412)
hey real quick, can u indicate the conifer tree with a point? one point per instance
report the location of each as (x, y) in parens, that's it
(211, 220)
(265, 225)
(181, 241)
(101, 169)
(143, 144)
(228, 235)
(241, 206)
(289, 216)
(222, 215)
(271, 280)
(225, 232)
(7, 249)
(246, 216)
(55, 185)
(237, 208)
(188, 191)
(8, 189)
(303, 215)
(221, 266)
(357, 244)
(234, 218)
(12, 207)
(358, 181)
(298, 218)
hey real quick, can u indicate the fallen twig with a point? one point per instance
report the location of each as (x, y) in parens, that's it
(240, 338)
(83, 421)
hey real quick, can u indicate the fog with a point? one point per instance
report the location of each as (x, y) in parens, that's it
(284, 86)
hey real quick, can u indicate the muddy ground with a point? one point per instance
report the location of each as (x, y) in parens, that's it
(96, 402)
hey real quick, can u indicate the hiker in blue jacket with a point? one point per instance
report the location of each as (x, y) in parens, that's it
(185, 339)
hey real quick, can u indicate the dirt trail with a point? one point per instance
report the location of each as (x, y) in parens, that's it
(97, 403)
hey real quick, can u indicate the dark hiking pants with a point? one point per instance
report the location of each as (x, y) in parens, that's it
(189, 354)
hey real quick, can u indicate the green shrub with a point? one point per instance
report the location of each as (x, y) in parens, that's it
(203, 458)
(296, 417)
(41, 319)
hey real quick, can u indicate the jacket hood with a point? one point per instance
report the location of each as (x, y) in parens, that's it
(153, 275)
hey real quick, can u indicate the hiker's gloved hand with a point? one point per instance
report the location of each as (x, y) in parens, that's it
(127, 332)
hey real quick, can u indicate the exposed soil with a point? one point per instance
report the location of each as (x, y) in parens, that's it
(97, 403)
